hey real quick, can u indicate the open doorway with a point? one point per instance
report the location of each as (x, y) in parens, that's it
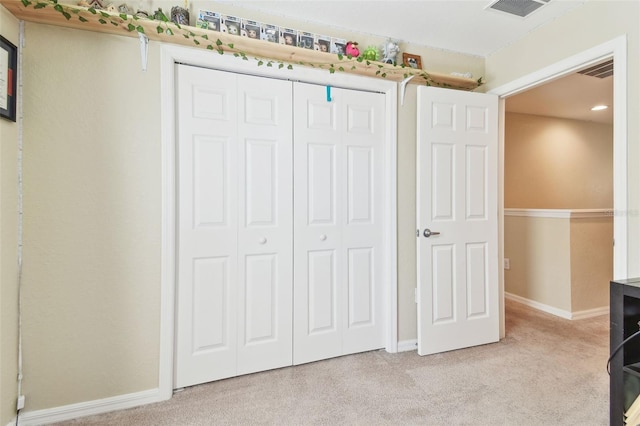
(558, 193)
(615, 49)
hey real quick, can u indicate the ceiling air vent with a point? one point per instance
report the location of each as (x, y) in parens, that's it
(601, 70)
(521, 8)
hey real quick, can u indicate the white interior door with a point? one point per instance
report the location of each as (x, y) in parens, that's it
(338, 224)
(457, 219)
(234, 225)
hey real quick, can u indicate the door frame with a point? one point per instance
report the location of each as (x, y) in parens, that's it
(169, 56)
(616, 49)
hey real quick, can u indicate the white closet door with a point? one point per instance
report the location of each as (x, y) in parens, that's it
(207, 226)
(234, 233)
(363, 139)
(338, 230)
(265, 240)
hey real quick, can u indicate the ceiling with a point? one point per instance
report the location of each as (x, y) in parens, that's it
(466, 26)
(570, 97)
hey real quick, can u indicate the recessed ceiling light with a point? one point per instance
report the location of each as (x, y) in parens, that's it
(599, 107)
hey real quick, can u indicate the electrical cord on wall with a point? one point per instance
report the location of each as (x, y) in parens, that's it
(620, 346)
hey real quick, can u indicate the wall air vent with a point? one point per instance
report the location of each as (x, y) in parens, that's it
(521, 8)
(601, 70)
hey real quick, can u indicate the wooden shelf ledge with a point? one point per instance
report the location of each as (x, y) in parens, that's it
(82, 18)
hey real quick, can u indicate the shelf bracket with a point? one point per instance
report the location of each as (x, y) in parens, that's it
(144, 44)
(403, 88)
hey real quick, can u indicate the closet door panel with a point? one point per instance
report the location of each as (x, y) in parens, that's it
(265, 231)
(207, 226)
(317, 240)
(362, 229)
(338, 227)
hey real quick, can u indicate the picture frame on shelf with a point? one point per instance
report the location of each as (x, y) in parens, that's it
(8, 79)
(412, 61)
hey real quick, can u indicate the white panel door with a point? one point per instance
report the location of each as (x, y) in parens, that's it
(234, 225)
(338, 231)
(457, 219)
(265, 233)
(206, 335)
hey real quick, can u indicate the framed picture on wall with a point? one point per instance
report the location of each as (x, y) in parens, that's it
(8, 79)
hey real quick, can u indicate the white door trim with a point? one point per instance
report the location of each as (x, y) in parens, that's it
(169, 55)
(616, 49)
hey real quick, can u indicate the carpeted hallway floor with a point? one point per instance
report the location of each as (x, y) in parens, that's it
(547, 371)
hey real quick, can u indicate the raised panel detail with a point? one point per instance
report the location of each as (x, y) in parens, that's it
(443, 263)
(260, 110)
(443, 181)
(444, 116)
(321, 115)
(261, 188)
(477, 119)
(210, 183)
(476, 187)
(210, 103)
(361, 287)
(477, 280)
(360, 184)
(360, 119)
(321, 171)
(210, 304)
(260, 298)
(322, 291)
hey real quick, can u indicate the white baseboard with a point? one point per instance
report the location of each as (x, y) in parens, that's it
(408, 345)
(89, 408)
(589, 313)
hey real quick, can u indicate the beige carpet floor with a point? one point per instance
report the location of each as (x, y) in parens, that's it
(547, 371)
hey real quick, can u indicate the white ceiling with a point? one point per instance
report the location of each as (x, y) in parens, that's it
(466, 26)
(568, 97)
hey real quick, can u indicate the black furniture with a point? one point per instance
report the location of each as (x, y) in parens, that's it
(625, 364)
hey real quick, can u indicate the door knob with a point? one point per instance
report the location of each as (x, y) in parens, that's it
(323, 237)
(262, 240)
(427, 233)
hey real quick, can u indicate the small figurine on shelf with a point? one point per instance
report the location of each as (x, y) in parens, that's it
(180, 15)
(370, 54)
(352, 49)
(390, 50)
(124, 8)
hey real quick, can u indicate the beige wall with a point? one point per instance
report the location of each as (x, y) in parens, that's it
(594, 23)
(591, 262)
(92, 213)
(541, 267)
(8, 249)
(562, 262)
(555, 163)
(91, 217)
